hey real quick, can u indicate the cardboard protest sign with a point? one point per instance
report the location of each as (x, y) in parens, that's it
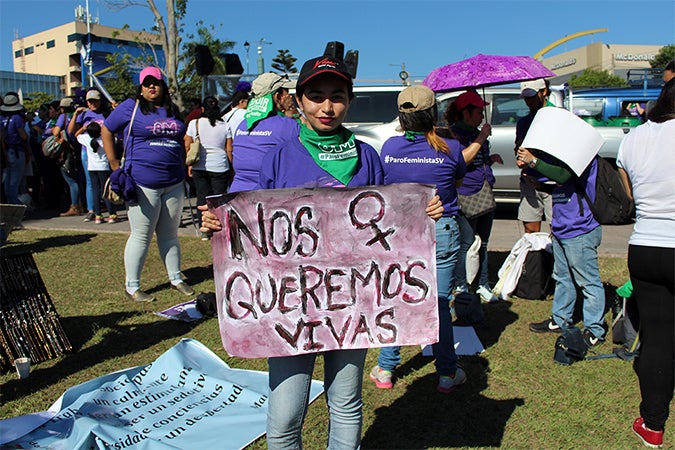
(310, 270)
(562, 134)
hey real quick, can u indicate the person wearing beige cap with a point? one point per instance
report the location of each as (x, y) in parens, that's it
(466, 116)
(535, 189)
(263, 127)
(422, 156)
(15, 153)
(95, 111)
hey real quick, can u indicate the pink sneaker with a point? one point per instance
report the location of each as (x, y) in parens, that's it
(98, 220)
(382, 378)
(112, 218)
(650, 438)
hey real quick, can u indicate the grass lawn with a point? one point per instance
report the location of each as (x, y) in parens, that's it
(515, 396)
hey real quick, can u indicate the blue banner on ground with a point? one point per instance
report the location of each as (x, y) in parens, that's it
(186, 399)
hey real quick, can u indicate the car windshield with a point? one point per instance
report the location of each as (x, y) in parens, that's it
(372, 107)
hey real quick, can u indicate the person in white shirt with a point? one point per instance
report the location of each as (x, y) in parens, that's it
(211, 172)
(646, 162)
(233, 118)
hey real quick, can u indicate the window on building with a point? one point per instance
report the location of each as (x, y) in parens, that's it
(51, 44)
(18, 54)
(28, 50)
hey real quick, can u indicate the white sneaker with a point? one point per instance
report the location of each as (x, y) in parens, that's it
(448, 384)
(486, 294)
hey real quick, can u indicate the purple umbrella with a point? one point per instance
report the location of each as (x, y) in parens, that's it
(485, 70)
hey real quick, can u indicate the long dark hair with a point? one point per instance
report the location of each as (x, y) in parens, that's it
(453, 114)
(664, 109)
(211, 110)
(424, 122)
(170, 107)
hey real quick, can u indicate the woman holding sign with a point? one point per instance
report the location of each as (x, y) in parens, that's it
(422, 156)
(324, 93)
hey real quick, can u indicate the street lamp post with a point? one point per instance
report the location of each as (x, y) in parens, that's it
(247, 46)
(261, 61)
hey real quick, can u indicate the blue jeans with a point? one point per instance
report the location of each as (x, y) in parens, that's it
(290, 379)
(13, 174)
(447, 253)
(157, 211)
(88, 189)
(73, 187)
(575, 263)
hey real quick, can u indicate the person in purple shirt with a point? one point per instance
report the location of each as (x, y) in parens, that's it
(154, 158)
(421, 156)
(466, 115)
(324, 93)
(263, 127)
(576, 238)
(15, 151)
(535, 190)
(95, 111)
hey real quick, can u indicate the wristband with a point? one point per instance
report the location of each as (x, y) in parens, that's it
(532, 163)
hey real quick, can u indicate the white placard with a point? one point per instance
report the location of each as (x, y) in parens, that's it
(560, 133)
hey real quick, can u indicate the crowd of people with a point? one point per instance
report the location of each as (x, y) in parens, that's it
(271, 139)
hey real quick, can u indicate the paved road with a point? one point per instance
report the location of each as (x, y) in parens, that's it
(505, 231)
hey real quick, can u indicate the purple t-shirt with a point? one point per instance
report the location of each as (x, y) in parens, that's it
(566, 221)
(478, 170)
(155, 148)
(90, 116)
(249, 148)
(404, 161)
(11, 125)
(61, 122)
(289, 165)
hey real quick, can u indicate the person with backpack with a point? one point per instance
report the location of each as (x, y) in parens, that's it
(15, 154)
(576, 238)
(646, 161)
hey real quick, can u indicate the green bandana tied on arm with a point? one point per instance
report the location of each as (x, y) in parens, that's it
(336, 154)
(258, 109)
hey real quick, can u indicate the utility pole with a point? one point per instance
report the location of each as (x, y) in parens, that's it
(247, 46)
(261, 61)
(89, 61)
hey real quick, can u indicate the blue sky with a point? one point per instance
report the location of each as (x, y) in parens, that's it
(422, 34)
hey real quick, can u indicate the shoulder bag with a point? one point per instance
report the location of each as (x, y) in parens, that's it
(482, 202)
(193, 151)
(119, 181)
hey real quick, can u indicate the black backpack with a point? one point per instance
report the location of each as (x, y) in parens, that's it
(536, 281)
(612, 206)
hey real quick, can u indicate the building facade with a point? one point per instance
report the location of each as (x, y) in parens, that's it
(61, 51)
(616, 59)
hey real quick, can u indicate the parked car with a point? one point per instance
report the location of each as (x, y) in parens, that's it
(368, 119)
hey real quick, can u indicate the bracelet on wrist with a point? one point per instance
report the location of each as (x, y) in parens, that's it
(532, 163)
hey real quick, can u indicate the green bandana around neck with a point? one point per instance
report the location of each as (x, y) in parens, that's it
(410, 135)
(336, 153)
(258, 109)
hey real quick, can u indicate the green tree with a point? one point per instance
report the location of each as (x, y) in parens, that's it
(284, 62)
(664, 56)
(33, 100)
(121, 84)
(597, 78)
(168, 31)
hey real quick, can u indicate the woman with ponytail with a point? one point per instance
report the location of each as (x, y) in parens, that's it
(211, 172)
(422, 156)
